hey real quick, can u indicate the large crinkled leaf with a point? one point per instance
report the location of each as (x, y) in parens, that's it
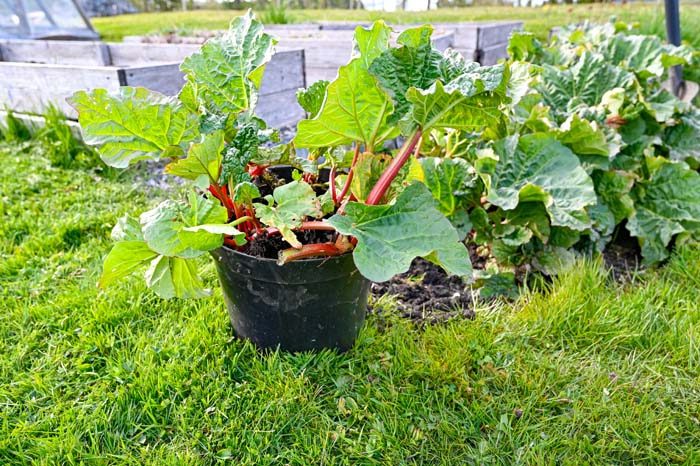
(451, 181)
(389, 237)
(127, 228)
(470, 102)
(125, 258)
(583, 84)
(524, 46)
(646, 56)
(666, 205)
(164, 227)
(414, 64)
(311, 99)
(238, 153)
(174, 277)
(356, 108)
(133, 124)
(614, 188)
(292, 202)
(683, 139)
(538, 168)
(225, 74)
(369, 43)
(244, 193)
(203, 158)
(586, 140)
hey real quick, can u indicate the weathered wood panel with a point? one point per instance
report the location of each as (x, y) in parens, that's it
(29, 87)
(491, 55)
(54, 52)
(285, 70)
(496, 33)
(129, 54)
(280, 108)
(165, 78)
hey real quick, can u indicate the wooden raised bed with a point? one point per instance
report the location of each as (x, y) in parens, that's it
(34, 74)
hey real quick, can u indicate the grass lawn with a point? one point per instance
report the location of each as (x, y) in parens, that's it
(537, 20)
(588, 372)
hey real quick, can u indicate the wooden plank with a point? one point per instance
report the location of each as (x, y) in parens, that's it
(444, 40)
(57, 52)
(314, 74)
(133, 54)
(165, 78)
(469, 54)
(285, 71)
(496, 33)
(465, 34)
(491, 55)
(280, 108)
(29, 87)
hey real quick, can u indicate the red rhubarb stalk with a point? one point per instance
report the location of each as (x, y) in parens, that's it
(379, 189)
(216, 191)
(307, 251)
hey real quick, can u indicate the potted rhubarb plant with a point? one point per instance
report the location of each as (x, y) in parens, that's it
(295, 240)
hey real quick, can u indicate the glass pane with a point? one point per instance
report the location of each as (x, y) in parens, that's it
(65, 13)
(9, 21)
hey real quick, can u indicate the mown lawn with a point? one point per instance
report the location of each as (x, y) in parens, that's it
(587, 372)
(650, 17)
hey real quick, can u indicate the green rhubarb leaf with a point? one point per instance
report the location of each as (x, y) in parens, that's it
(453, 64)
(356, 108)
(415, 64)
(614, 188)
(311, 99)
(164, 227)
(239, 152)
(666, 205)
(225, 74)
(683, 138)
(451, 181)
(125, 258)
(292, 202)
(389, 237)
(202, 159)
(133, 124)
(586, 140)
(127, 228)
(174, 277)
(582, 85)
(646, 56)
(554, 260)
(538, 168)
(245, 193)
(524, 46)
(470, 102)
(369, 43)
(368, 168)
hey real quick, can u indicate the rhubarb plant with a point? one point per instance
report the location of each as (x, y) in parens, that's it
(353, 191)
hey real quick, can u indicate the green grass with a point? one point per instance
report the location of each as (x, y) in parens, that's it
(537, 20)
(588, 372)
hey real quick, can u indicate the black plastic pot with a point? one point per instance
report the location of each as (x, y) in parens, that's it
(304, 305)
